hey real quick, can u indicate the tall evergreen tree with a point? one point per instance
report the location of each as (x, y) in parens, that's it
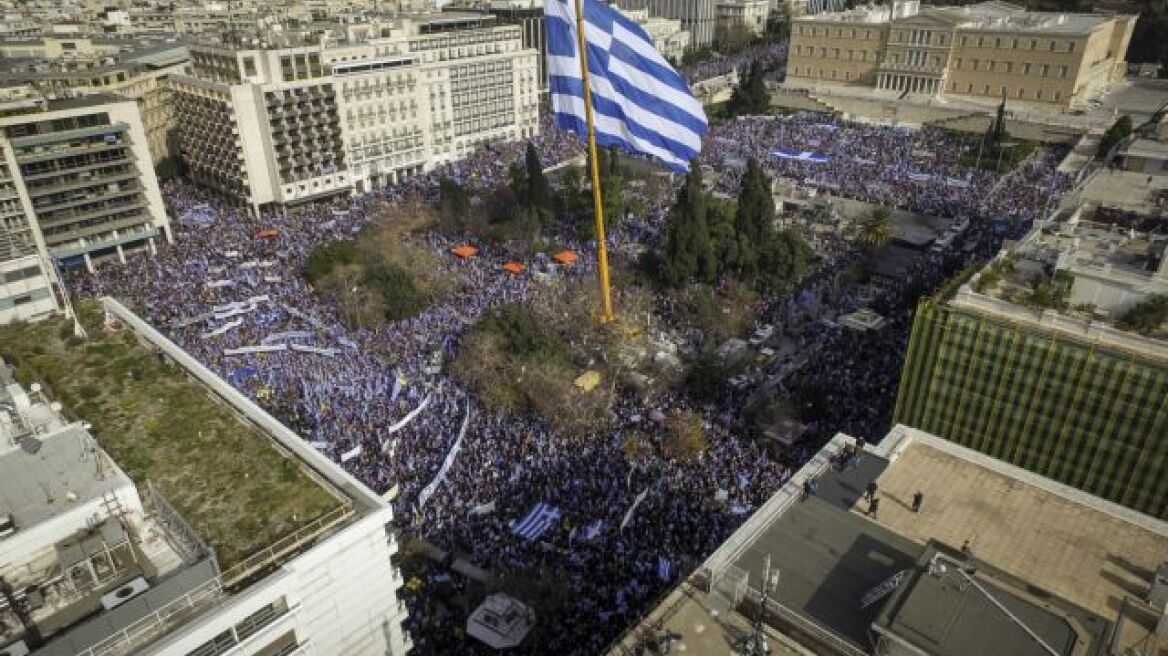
(754, 219)
(689, 253)
(539, 192)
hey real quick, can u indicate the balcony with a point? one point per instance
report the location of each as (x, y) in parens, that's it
(133, 189)
(81, 183)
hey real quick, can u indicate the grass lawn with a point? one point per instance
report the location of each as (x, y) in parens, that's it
(226, 478)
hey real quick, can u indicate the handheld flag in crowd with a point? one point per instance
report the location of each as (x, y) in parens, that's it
(664, 568)
(639, 102)
(537, 521)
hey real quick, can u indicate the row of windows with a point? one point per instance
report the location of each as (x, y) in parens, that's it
(24, 299)
(853, 33)
(1016, 44)
(7, 277)
(1019, 93)
(925, 37)
(836, 53)
(1025, 68)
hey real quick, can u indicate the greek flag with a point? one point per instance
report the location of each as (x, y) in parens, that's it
(538, 520)
(639, 102)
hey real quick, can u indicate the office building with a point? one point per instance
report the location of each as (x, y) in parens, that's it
(994, 560)
(287, 124)
(989, 50)
(1034, 360)
(698, 17)
(82, 173)
(273, 549)
(667, 34)
(61, 68)
(749, 14)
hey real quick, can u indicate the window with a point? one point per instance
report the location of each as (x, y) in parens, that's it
(1026, 69)
(985, 90)
(1052, 45)
(964, 41)
(980, 42)
(1045, 70)
(1034, 44)
(1058, 95)
(969, 88)
(957, 63)
(998, 42)
(1021, 91)
(1070, 46)
(1062, 71)
(1038, 94)
(249, 66)
(1009, 67)
(1005, 91)
(1014, 45)
(974, 64)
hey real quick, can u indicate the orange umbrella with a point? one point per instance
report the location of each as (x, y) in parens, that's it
(267, 234)
(464, 251)
(565, 257)
(514, 267)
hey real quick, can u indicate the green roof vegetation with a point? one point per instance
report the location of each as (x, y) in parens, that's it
(227, 479)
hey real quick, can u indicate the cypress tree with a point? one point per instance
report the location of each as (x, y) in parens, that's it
(689, 253)
(753, 221)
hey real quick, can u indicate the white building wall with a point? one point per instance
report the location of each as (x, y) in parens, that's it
(36, 289)
(341, 594)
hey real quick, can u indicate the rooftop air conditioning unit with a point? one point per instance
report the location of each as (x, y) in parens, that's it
(17, 648)
(124, 593)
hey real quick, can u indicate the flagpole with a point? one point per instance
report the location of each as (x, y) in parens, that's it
(602, 248)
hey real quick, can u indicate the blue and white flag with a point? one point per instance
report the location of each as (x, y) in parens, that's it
(664, 568)
(537, 521)
(639, 102)
(592, 530)
(801, 155)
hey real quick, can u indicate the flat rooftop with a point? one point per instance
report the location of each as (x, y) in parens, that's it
(224, 475)
(1058, 560)
(1069, 543)
(34, 485)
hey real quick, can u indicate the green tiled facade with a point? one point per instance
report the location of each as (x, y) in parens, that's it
(1086, 415)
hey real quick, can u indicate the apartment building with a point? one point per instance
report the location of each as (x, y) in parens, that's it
(393, 99)
(70, 68)
(83, 183)
(142, 554)
(991, 49)
(25, 281)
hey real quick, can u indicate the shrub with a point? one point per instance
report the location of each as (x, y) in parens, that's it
(1147, 316)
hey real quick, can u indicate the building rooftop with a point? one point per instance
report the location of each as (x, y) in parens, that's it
(226, 477)
(1058, 539)
(1046, 569)
(991, 15)
(1080, 274)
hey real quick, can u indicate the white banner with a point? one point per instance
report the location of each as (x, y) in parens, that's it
(351, 453)
(244, 350)
(483, 509)
(430, 489)
(222, 329)
(216, 284)
(302, 348)
(319, 446)
(287, 335)
(636, 502)
(387, 444)
(250, 264)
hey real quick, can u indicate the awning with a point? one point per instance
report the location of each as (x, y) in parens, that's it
(267, 234)
(514, 268)
(565, 257)
(465, 250)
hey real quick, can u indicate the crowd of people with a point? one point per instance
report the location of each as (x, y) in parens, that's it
(375, 400)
